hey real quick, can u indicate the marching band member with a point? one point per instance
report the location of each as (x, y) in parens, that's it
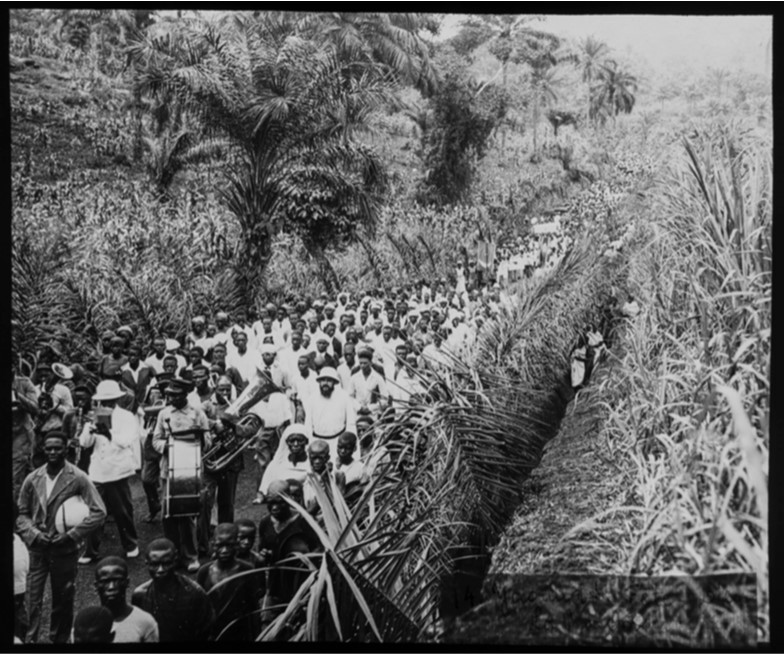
(179, 416)
(112, 435)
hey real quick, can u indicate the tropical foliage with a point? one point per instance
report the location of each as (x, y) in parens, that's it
(613, 92)
(463, 118)
(263, 155)
(291, 106)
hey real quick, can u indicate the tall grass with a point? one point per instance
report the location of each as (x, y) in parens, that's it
(689, 403)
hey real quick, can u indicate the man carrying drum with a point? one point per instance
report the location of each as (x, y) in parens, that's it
(180, 419)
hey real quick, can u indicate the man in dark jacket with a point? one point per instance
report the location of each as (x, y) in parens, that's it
(54, 549)
(282, 533)
(179, 605)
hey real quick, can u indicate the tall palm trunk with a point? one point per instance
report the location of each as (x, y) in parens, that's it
(504, 67)
(536, 125)
(589, 80)
(326, 271)
(253, 260)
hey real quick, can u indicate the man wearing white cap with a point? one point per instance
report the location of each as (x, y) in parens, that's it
(331, 411)
(113, 434)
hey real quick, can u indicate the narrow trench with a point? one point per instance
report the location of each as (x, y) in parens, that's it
(462, 590)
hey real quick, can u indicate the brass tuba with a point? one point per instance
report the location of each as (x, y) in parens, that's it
(236, 437)
(240, 426)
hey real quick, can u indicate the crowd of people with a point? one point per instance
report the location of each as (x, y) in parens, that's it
(533, 254)
(299, 385)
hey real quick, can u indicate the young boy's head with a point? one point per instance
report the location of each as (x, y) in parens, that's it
(93, 624)
(246, 535)
(225, 542)
(347, 445)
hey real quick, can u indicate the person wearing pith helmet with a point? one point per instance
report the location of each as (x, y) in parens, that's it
(113, 433)
(331, 411)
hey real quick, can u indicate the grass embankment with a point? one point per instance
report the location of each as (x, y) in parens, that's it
(672, 481)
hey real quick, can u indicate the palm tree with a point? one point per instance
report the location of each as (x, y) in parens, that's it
(717, 77)
(592, 54)
(291, 108)
(113, 25)
(389, 44)
(170, 152)
(613, 92)
(510, 39)
(543, 80)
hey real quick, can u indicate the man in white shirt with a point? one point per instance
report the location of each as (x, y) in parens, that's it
(385, 349)
(266, 333)
(272, 369)
(288, 355)
(281, 326)
(407, 383)
(155, 360)
(346, 367)
(198, 334)
(223, 332)
(246, 361)
(331, 411)
(131, 624)
(112, 464)
(368, 387)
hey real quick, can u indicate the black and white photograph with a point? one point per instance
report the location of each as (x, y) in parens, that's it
(390, 329)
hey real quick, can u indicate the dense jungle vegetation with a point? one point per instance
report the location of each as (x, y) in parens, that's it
(174, 163)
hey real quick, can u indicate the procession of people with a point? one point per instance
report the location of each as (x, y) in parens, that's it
(293, 387)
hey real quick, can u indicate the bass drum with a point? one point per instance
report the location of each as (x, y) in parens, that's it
(183, 485)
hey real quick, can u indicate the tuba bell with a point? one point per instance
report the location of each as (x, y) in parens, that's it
(256, 391)
(236, 437)
(240, 425)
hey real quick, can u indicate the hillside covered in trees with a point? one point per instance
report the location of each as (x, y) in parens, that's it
(170, 164)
